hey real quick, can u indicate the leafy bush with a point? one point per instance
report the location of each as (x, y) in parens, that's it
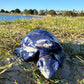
(52, 12)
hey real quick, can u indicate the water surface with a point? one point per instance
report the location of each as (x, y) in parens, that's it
(15, 17)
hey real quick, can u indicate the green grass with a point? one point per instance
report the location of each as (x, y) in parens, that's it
(66, 29)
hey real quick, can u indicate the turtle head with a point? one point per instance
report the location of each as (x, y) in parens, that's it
(48, 63)
(48, 66)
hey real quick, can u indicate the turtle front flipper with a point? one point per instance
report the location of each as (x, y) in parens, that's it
(27, 53)
(18, 52)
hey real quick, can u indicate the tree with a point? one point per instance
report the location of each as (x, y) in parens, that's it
(46, 11)
(68, 13)
(2, 10)
(17, 11)
(35, 12)
(75, 14)
(51, 12)
(81, 13)
(30, 11)
(41, 12)
(12, 11)
(6, 12)
(25, 11)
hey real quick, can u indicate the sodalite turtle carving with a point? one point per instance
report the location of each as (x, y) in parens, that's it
(41, 46)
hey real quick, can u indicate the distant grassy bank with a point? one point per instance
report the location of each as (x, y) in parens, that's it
(66, 29)
(20, 14)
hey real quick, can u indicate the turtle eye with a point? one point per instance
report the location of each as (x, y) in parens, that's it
(46, 42)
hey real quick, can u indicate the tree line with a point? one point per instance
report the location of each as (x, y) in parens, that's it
(45, 12)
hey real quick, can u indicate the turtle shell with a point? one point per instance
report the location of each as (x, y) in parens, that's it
(37, 36)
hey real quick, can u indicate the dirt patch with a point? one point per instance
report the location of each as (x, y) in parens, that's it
(16, 74)
(71, 71)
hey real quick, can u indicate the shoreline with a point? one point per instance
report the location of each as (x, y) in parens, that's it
(21, 14)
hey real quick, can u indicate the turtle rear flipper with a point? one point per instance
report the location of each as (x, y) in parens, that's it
(27, 53)
(47, 66)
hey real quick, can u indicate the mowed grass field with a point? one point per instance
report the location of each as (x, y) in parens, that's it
(68, 30)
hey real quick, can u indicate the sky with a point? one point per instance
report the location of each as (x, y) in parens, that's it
(42, 4)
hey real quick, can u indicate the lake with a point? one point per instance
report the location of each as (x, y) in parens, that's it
(15, 17)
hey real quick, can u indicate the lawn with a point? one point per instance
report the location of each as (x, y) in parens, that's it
(70, 34)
